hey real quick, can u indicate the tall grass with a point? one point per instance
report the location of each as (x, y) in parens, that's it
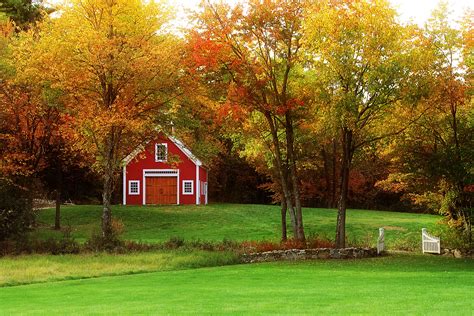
(44, 268)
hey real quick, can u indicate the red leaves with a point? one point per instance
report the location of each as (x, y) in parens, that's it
(26, 128)
(205, 52)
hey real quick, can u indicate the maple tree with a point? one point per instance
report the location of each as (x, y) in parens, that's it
(360, 56)
(435, 161)
(117, 70)
(252, 52)
(28, 123)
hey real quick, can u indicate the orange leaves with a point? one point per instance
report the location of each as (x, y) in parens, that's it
(206, 52)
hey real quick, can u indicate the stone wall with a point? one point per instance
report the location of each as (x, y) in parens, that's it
(306, 254)
(457, 253)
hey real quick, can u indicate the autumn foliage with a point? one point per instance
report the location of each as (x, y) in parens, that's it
(333, 103)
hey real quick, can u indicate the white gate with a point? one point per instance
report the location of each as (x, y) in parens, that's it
(430, 243)
(381, 241)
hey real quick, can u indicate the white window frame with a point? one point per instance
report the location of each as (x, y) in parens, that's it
(184, 187)
(130, 187)
(204, 188)
(166, 152)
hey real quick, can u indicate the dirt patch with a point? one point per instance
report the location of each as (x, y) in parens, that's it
(395, 228)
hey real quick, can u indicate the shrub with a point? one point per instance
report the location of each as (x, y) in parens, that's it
(174, 243)
(203, 245)
(110, 242)
(318, 242)
(65, 245)
(451, 237)
(366, 241)
(16, 215)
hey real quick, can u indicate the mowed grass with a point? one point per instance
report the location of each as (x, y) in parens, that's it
(392, 285)
(238, 222)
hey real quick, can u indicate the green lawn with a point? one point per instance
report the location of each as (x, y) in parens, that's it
(191, 281)
(216, 222)
(400, 284)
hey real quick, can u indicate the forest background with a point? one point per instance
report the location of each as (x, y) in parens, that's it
(322, 103)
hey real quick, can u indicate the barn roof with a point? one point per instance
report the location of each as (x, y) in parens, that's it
(175, 141)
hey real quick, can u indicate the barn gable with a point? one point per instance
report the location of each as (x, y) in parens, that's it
(150, 178)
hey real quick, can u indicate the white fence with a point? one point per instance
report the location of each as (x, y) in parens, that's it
(430, 243)
(381, 241)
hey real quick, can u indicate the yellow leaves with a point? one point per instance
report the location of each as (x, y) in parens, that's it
(112, 60)
(7, 27)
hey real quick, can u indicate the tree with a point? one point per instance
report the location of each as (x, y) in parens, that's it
(28, 122)
(117, 69)
(359, 53)
(24, 13)
(435, 163)
(253, 52)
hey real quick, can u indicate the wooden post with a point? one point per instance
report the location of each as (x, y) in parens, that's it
(381, 241)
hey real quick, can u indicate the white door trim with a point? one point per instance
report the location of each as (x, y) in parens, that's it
(160, 173)
(198, 198)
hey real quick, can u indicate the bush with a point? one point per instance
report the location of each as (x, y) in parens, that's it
(451, 237)
(65, 245)
(16, 215)
(174, 243)
(110, 242)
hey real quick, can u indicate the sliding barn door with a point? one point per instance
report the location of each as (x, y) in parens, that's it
(161, 190)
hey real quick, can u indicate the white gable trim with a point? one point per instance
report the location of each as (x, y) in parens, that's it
(185, 150)
(133, 154)
(175, 141)
(124, 185)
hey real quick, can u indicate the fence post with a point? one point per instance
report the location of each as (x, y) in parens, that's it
(423, 234)
(381, 241)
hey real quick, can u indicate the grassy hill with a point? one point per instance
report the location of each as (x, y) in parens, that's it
(238, 222)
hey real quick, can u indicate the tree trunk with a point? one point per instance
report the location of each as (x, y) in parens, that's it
(327, 178)
(59, 184)
(342, 205)
(334, 172)
(282, 172)
(106, 198)
(284, 236)
(57, 216)
(293, 176)
(108, 185)
(29, 190)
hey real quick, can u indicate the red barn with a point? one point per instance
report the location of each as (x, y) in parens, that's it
(164, 171)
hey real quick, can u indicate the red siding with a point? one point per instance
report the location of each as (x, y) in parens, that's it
(146, 160)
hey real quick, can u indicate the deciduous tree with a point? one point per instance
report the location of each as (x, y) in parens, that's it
(359, 53)
(117, 68)
(253, 52)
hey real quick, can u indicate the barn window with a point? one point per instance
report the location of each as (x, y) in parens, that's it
(188, 188)
(133, 187)
(161, 152)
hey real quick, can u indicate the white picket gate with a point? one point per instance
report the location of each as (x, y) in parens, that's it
(381, 241)
(430, 243)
